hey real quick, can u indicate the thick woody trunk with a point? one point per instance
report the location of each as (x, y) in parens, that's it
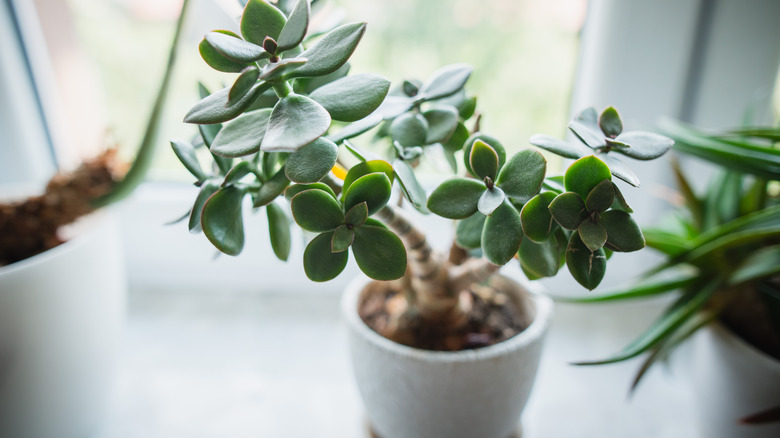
(439, 289)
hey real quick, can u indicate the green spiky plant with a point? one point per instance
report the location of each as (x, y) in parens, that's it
(293, 112)
(722, 249)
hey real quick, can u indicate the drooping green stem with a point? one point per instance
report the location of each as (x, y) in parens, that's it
(143, 159)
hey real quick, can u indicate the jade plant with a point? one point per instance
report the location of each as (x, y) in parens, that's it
(301, 138)
(722, 247)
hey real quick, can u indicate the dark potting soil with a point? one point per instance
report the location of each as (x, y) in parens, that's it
(494, 317)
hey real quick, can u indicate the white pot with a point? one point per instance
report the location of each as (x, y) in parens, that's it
(732, 380)
(60, 316)
(414, 393)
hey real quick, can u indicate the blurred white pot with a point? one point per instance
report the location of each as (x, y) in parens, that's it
(414, 393)
(60, 316)
(732, 380)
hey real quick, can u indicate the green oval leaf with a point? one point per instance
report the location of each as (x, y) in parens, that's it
(222, 220)
(623, 234)
(620, 202)
(308, 85)
(522, 176)
(409, 129)
(540, 260)
(243, 84)
(568, 210)
(379, 253)
(312, 162)
(319, 262)
(619, 169)
(298, 188)
(644, 145)
(483, 160)
(233, 47)
(394, 106)
(491, 141)
(294, 30)
(316, 210)
(442, 121)
(502, 235)
(239, 171)
(374, 189)
(364, 168)
(411, 188)
(445, 81)
(185, 152)
(242, 136)
(456, 198)
(490, 200)
(279, 230)
(560, 147)
(356, 128)
(357, 215)
(586, 267)
(610, 123)
(457, 139)
(332, 51)
(215, 108)
(536, 218)
(586, 127)
(260, 20)
(585, 174)
(601, 197)
(207, 189)
(295, 121)
(342, 238)
(215, 59)
(468, 233)
(271, 189)
(353, 97)
(593, 234)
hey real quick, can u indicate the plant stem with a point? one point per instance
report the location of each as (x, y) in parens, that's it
(434, 299)
(282, 89)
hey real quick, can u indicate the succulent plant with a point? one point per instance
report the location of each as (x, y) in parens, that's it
(291, 115)
(722, 249)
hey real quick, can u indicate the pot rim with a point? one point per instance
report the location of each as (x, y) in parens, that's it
(98, 223)
(543, 315)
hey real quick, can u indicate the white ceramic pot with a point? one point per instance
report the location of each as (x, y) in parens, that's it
(414, 393)
(60, 316)
(732, 380)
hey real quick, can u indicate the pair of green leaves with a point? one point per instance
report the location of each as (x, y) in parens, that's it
(603, 136)
(266, 34)
(379, 253)
(296, 120)
(461, 198)
(584, 208)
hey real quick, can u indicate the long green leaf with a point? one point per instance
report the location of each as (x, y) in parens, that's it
(645, 289)
(143, 159)
(680, 312)
(662, 350)
(742, 157)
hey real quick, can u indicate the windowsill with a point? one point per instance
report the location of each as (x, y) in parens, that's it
(247, 346)
(244, 364)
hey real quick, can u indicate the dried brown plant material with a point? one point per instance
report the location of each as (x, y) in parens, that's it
(31, 226)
